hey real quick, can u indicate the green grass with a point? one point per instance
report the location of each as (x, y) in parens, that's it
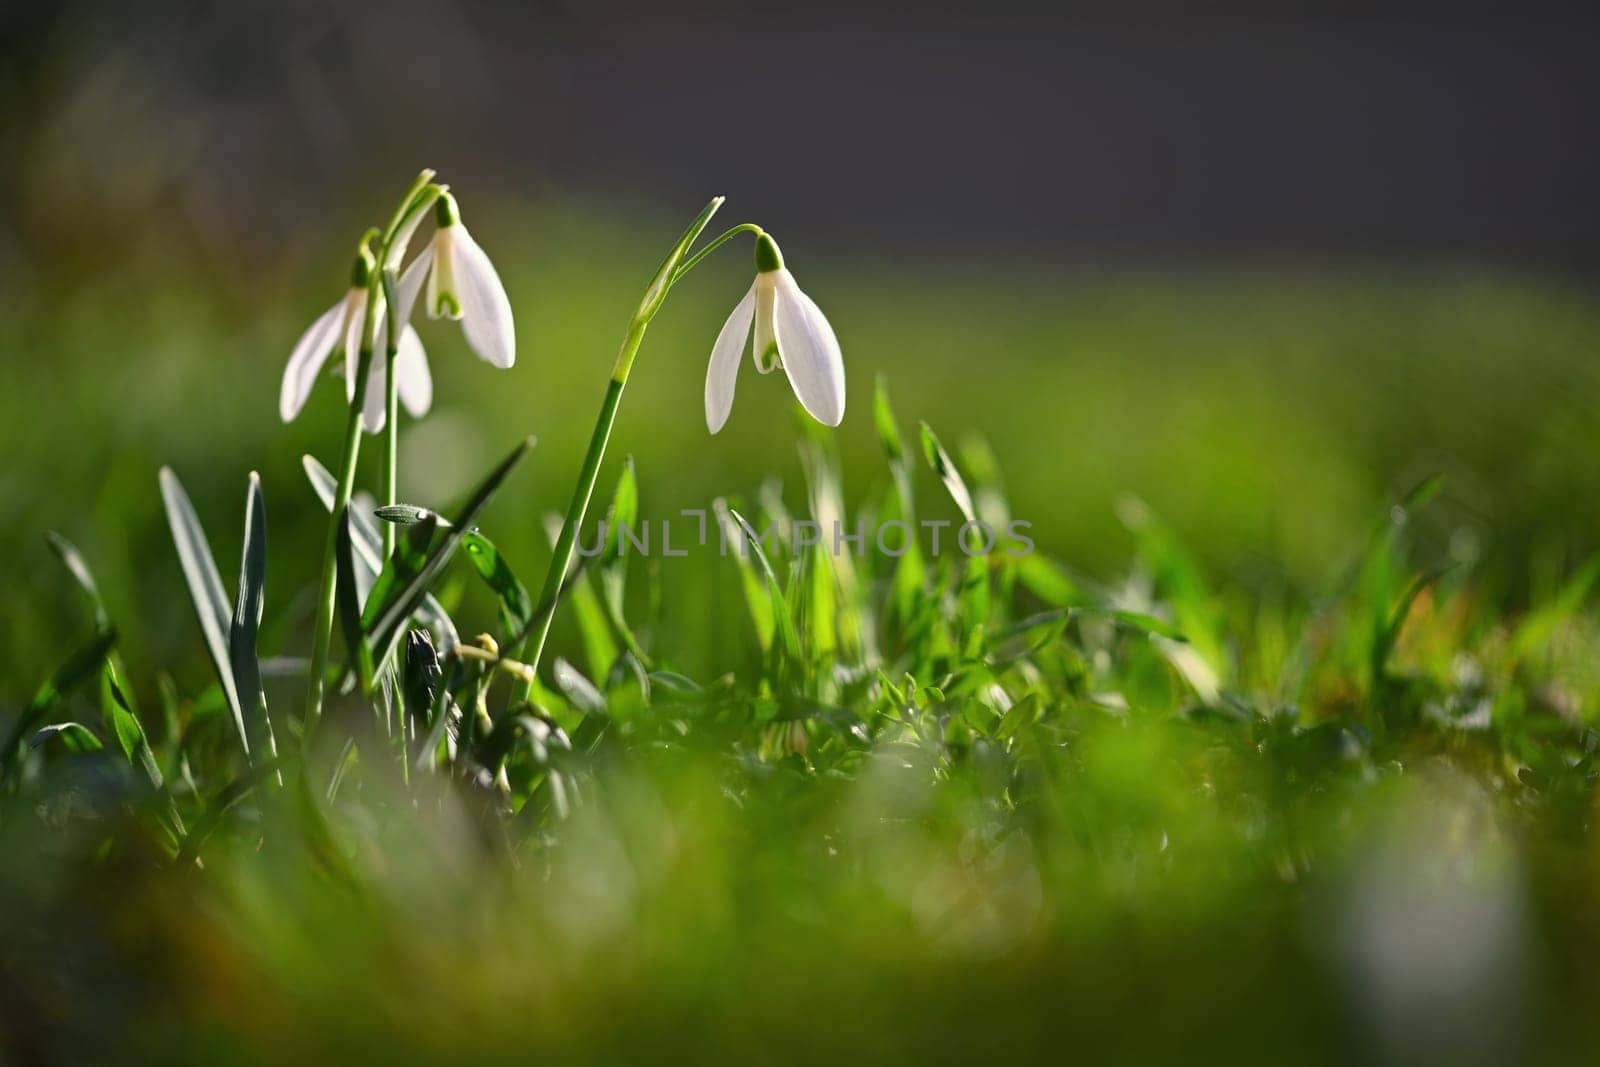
(1280, 748)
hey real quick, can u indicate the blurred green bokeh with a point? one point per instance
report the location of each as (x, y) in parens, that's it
(1267, 414)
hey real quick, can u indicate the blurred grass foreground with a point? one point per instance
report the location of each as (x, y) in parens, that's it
(1279, 749)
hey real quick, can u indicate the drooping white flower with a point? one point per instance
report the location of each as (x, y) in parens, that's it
(346, 320)
(463, 285)
(413, 381)
(790, 331)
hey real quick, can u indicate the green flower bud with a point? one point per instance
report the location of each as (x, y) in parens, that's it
(768, 258)
(361, 270)
(445, 211)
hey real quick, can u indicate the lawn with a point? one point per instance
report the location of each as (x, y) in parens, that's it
(1278, 747)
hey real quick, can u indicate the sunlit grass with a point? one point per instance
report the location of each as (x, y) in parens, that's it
(1278, 739)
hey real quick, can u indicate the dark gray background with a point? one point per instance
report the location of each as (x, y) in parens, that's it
(1100, 131)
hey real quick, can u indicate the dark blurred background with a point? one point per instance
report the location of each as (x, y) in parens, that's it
(1264, 267)
(1101, 130)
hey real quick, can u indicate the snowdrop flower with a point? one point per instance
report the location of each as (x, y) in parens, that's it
(463, 285)
(345, 321)
(790, 331)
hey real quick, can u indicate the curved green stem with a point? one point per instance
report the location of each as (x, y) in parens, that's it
(391, 437)
(588, 474)
(671, 269)
(717, 242)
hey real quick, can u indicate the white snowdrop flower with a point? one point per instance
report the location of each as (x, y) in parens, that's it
(346, 320)
(790, 331)
(414, 382)
(464, 286)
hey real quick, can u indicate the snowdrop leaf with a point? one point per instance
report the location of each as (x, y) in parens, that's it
(350, 597)
(396, 609)
(368, 544)
(80, 665)
(73, 560)
(73, 736)
(211, 605)
(410, 556)
(783, 619)
(516, 606)
(246, 622)
(623, 512)
(126, 728)
(657, 290)
(408, 515)
(581, 693)
(888, 429)
(945, 468)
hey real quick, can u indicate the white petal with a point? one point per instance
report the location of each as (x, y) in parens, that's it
(355, 322)
(766, 299)
(726, 355)
(402, 237)
(411, 371)
(485, 308)
(310, 352)
(442, 279)
(410, 284)
(406, 291)
(810, 352)
(375, 406)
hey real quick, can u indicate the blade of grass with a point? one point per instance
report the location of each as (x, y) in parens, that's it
(80, 665)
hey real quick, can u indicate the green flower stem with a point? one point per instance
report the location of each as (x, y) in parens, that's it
(418, 198)
(587, 476)
(327, 592)
(714, 244)
(391, 437)
(671, 269)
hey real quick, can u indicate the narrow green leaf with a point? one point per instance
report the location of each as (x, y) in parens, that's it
(888, 429)
(368, 542)
(581, 693)
(623, 512)
(757, 600)
(127, 728)
(73, 560)
(782, 617)
(945, 468)
(73, 736)
(410, 556)
(1540, 625)
(421, 674)
(656, 292)
(80, 665)
(246, 624)
(516, 605)
(1390, 634)
(350, 594)
(387, 628)
(1049, 580)
(211, 606)
(408, 515)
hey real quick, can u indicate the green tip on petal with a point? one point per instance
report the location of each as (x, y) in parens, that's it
(445, 211)
(361, 270)
(768, 258)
